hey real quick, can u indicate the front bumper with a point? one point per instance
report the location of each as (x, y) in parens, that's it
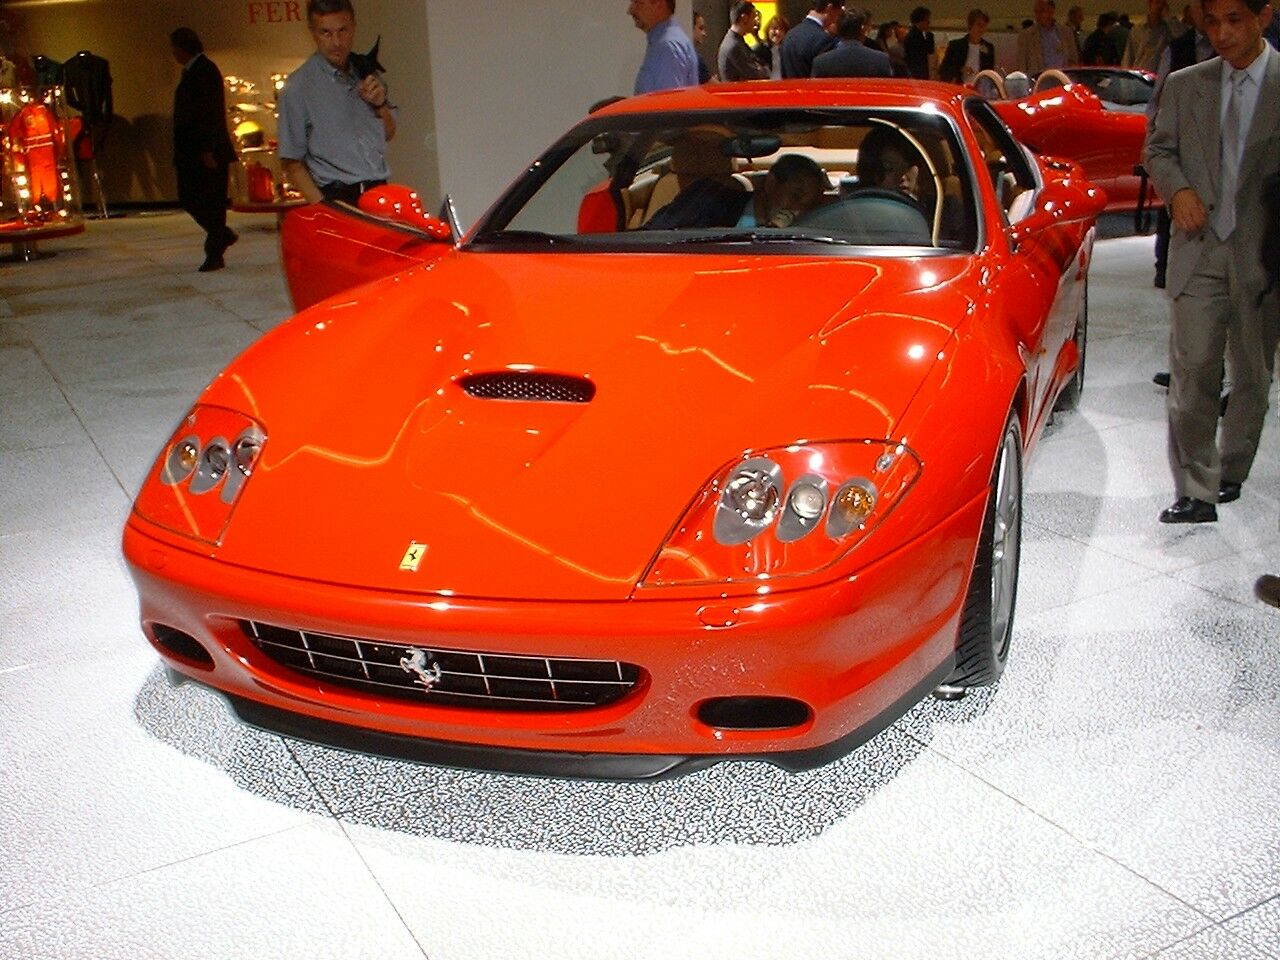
(858, 652)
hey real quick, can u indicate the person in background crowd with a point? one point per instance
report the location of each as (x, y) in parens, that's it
(852, 57)
(918, 48)
(1211, 174)
(811, 36)
(1148, 39)
(669, 58)
(969, 54)
(771, 50)
(202, 149)
(1272, 33)
(888, 40)
(334, 126)
(1098, 49)
(1119, 37)
(735, 60)
(1075, 20)
(1046, 44)
(699, 37)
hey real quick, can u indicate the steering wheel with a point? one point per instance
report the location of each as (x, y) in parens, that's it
(879, 193)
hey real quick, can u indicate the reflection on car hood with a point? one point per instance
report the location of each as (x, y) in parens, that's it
(372, 444)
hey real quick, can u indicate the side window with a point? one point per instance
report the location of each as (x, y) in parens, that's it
(1013, 175)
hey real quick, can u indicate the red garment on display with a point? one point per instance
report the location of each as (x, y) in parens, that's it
(35, 140)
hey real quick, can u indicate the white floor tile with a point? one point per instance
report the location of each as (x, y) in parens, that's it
(1144, 723)
(55, 487)
(298, 893)
(105, 772)
(929, 853)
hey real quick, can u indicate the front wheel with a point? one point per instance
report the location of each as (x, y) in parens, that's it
(986, 623)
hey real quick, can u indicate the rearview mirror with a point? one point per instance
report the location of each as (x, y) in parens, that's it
(751, 146)
(401, 205)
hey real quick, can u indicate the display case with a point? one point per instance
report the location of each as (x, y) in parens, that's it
(39, 190)
(257, 182)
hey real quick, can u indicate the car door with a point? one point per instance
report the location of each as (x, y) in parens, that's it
(327, 248)
(1041, 285)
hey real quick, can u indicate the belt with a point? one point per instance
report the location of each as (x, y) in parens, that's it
(348, 192)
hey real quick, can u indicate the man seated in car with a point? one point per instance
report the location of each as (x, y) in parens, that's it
(887, 160)
(793, 187)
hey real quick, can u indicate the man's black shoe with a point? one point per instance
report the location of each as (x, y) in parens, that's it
(1189, 510)
(212, 262)
(1267, 589)
(1228, 492)
(1161, 379)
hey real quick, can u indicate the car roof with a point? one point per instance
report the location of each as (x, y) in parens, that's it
(763, 94)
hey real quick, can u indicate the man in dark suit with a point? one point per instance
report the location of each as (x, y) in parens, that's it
(1215, 142)
(735, 59)
(810, 37)
(968, 55)
(919, 46)
(852, 57)
(202, 149)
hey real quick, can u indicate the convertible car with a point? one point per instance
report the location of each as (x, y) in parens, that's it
(705, 442)
(1095, 116)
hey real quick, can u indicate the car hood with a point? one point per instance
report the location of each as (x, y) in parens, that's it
(372, 444)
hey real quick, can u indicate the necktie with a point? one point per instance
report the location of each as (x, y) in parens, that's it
(1224, 221)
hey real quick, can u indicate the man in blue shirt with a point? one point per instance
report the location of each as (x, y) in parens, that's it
(669, 58)
(334, 125)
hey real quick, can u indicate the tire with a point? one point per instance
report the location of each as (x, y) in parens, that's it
(1069, 398)
(986, 622)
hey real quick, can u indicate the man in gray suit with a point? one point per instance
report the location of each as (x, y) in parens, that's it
(1215, 139)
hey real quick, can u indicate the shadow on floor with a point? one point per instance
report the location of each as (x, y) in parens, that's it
(746, 803)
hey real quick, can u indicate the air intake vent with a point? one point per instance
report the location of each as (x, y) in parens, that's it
(532, 387)
(459, 678)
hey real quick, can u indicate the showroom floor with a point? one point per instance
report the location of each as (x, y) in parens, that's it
(1117, 795)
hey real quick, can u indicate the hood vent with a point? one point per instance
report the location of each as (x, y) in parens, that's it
(531, 387)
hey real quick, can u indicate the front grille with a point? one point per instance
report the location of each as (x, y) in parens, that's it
(536, 387)
(494, 681)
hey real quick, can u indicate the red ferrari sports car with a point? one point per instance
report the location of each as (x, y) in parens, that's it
(705, 442)
(1095, 116)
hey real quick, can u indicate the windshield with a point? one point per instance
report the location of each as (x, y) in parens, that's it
(893, 181)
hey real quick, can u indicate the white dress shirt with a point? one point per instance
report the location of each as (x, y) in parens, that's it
(1257, 72)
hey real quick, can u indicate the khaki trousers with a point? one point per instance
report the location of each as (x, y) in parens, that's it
(1215, 317)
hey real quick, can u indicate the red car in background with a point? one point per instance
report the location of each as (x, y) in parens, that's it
(588, 493)
(1095, 116)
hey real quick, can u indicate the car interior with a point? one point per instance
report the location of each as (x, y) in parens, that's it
(650, 173)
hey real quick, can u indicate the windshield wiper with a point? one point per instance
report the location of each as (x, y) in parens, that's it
(757, 236)
(521, 236)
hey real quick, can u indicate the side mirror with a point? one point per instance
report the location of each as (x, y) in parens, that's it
(1061, 201)
(399, 204)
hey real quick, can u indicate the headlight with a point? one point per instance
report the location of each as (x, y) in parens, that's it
(786, 512)
(201, 473)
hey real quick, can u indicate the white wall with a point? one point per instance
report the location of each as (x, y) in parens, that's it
(505, 87)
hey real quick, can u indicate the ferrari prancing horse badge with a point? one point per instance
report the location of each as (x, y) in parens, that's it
(413, 556)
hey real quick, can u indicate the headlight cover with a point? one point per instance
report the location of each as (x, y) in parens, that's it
(201, 473)
(785, 512)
